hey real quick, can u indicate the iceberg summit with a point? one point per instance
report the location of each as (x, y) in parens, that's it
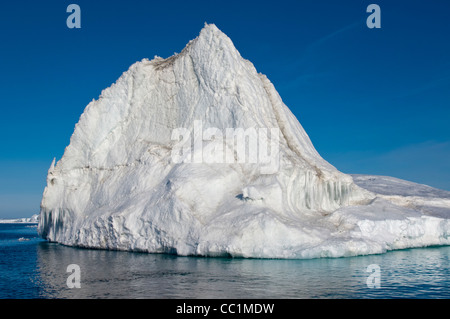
(197, 154)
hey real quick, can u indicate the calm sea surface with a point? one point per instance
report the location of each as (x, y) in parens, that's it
(33, 268)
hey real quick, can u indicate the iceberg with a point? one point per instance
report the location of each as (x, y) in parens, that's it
(197, 154)
(34, 219)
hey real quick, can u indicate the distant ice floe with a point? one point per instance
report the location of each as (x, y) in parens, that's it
(26, 220)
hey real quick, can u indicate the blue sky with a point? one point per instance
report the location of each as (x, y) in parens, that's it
(373, 101)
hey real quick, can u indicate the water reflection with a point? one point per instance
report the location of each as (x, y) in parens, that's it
(414, 273)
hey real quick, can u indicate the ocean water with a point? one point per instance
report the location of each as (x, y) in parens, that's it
(34, 268)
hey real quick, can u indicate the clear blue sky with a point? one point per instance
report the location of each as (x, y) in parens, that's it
(373, 101)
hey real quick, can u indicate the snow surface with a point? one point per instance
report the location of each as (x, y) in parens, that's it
(428, 200)
(118, 186)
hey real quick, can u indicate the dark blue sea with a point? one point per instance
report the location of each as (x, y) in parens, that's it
(33, 268)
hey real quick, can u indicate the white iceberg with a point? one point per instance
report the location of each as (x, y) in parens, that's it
(126, 183)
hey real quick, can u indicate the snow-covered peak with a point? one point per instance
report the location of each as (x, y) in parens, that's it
(123, 184)
(211, 28)
(212, 39)
(208, 81)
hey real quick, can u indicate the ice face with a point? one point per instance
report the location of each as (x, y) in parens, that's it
(119, 186)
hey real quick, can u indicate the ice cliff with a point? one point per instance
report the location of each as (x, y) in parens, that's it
(154, 165)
